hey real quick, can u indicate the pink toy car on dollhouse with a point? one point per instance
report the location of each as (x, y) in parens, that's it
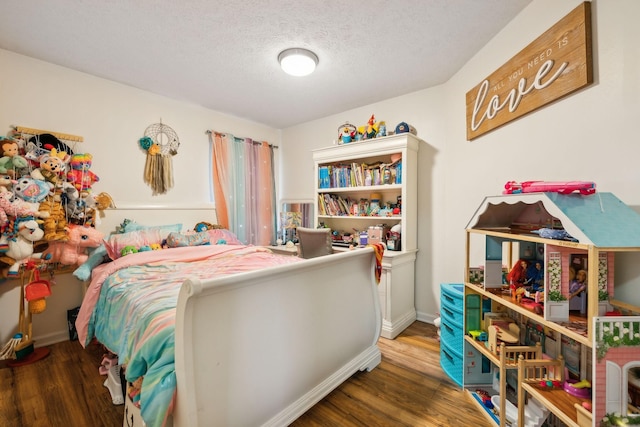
(562, 187)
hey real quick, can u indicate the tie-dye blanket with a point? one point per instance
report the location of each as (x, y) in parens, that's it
(130, 307)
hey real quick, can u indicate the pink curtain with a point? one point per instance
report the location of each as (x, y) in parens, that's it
(244, 187)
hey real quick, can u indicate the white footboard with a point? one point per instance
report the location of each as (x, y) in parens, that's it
(261, 348)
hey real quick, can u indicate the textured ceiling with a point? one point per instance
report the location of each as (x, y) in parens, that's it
(223, 55)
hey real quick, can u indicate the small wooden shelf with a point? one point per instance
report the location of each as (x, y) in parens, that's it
(505, 300)
(557, 401)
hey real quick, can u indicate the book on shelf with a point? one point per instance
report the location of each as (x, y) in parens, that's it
(359, 174)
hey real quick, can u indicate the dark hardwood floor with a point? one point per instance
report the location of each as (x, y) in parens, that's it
(408, 388)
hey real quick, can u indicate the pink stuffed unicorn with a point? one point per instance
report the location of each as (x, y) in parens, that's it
(75, 250)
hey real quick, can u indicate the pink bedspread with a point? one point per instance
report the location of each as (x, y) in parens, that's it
(130, 307)
(183, 254)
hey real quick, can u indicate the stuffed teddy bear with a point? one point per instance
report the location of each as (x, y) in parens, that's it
(11, 160)
(80, 175)
(52, 166)
(75, 250)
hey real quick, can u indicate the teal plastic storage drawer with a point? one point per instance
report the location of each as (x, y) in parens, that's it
(452, 294)
(451, 333)
(452, 330)
(451, 363)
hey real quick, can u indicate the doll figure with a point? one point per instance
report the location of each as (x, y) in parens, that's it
(535, 276)
(578, 284)
(518, 274)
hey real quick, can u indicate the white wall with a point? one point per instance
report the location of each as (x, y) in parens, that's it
(590, 135)
(112, 118)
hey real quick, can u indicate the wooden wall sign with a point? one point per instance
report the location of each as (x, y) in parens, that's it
(554, 65)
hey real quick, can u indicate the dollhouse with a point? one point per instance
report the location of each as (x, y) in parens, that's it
(588, 369)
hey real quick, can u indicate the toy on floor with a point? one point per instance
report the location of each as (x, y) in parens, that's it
(114, 385)
(9, 349)
(108, 362)
(437, 321)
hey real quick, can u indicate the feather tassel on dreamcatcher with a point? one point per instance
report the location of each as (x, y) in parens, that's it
(160, 143)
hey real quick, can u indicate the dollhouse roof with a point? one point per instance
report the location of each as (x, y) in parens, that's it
(600, 219)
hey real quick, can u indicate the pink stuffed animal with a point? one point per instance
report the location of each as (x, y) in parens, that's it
(75, 250)
(17, 208)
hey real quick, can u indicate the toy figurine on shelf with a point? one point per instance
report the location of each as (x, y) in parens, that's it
(347, 133)
(372, 127)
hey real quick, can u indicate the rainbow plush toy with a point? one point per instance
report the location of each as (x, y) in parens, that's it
(80, 174)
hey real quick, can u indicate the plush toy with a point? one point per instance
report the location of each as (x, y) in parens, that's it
(16, 208)
(11, 160)
(32, 190)
(74, 206)
(42, 144)
(127, 250)
(55, 226)
(203, 226)
(21, 246)
(96, 257)
(96, 204)
(75, 250)
(52, 166)
(5, 182)
(80, 174)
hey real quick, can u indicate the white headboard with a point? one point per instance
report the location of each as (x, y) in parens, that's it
(188, 216)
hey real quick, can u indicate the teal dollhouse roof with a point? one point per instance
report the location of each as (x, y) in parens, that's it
(600, 219)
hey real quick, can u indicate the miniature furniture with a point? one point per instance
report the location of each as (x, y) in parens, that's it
(369, 183)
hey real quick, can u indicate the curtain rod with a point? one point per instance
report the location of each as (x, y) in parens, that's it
(209, 132)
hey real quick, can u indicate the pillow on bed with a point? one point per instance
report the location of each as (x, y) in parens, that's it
(178, 240)
(164, 229)
(116, 242)
(219, 235)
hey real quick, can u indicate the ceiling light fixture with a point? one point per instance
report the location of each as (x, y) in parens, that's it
(297, 61)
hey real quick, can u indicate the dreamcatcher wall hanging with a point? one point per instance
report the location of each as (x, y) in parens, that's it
(160, 143)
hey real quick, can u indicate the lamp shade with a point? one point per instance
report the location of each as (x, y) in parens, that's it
(297, 61)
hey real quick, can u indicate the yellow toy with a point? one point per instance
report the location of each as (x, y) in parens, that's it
(55, 225)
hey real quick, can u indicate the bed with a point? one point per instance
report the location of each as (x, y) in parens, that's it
(234, 335)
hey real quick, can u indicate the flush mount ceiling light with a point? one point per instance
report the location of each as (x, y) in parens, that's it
(298, 61)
